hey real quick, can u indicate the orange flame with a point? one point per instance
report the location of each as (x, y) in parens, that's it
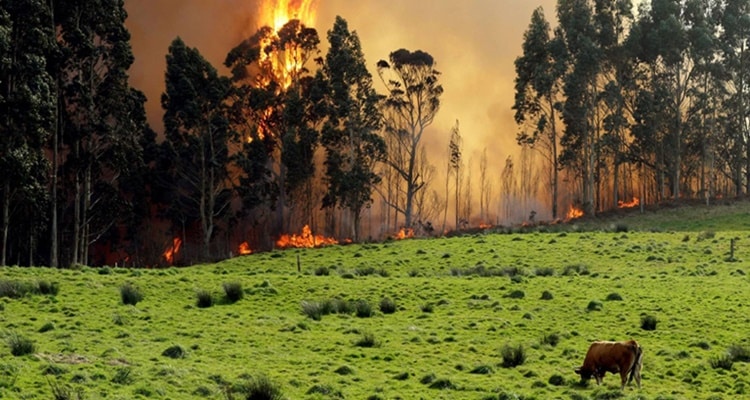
(628, 204)
(304, 240)
(483, 225)
(172, 250)
(244, 249)
(404, 233)
(573, 213)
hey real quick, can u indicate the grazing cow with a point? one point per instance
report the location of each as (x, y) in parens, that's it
(623, 357)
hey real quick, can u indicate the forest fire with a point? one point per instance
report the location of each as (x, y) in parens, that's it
(306, 239)
(483, 225)
(573, 213)
(172, 251)
(628, 204)
(244, 249)
(404, 233)
(279, 12)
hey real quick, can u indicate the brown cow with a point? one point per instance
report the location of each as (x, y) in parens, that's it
(623, 357)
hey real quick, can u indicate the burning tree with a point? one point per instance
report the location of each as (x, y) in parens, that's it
(410, 106)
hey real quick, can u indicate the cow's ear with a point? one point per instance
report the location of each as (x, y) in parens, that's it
(578, 370)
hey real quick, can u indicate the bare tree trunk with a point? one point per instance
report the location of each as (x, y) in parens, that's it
(56, 131)
(6, 222)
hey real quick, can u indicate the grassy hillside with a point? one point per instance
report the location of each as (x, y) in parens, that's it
(459, 306)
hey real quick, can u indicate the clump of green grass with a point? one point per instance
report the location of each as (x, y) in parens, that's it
(313, 309)
(53, 369)
(516, 294)
(47, 327)
(175, 351)
(325, 390)
(556, 380)
(48, 288)
(551, 339)
(130, 294)
(233, 291)
(544, 271)
(344, 370)
(322, 271)
(367, 339)
(427, 379)
(363, 309)
(204, 299)
(62, 391)
(427, 308)
(575, 269)
(739, 353)
(547, 295)
(513, 356)
(14, 289)
(259, 387)
(705, 235)
(387, 306)
(123, 376)
(721, 362)
(614, 296)
(481, 370)
(648, 323)
(594, 306)
(19, 345)
(442, 384)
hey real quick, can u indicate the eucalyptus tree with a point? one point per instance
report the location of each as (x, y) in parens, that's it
(198, 134)
(409, 107)
(350, 133)
(538, 88)
(26, 109)
(455, 162)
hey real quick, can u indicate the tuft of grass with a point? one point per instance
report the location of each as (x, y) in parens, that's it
(648, 323)
(314, 310)
(363, 309)
(614, 297)
(556, 380)
(547, 295)
(551, 339)
(722, 362)
(387, 306)
(47, 327)
(516, 294)
(481, 370)
(19, 345)
(575, 269)
(367, 340)
(123, 376)
(322, 271)
(544, 271)
(64, 392)
(325, 390)
(13, 289)
(204, 299)
(739, 353)
(175, 351)
(427, 308)
(259, 387)
(48, 288)
(344, 370)
(233, 291)
(442, 384)
(594, 306)
(513, 356)
(130, 294)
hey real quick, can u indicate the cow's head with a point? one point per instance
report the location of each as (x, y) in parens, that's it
(585, 373)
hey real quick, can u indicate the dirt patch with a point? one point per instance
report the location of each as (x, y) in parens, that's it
(63, 358)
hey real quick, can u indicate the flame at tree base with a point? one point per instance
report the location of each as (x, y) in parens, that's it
(628, 204)
(404, 233)
(172, 251)
(304, 240)
(573, 213)
(244, 249)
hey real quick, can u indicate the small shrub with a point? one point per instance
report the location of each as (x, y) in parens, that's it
(233, 291)
(620, 227)
(204, 299)
(594, 306)
(123, 376)
(48, 288)
(427, 379)
(401, 376)
(130, 294)
(13, 289)
(175, 351)
(739, 353)
(20, 345)
(53, 369)
(545, 271)
(363, 309)
(260, 388)
(427, 308)
(513, 356)
(614, 297)
(481, 370)
(516, 294)
(648, 323)
(721, 362)
(325, 390)
(322, 271)
(547, 295)
(442, 384)
(313, 309)
(47, 327)
(65, 392)
(556, 380)
(387, 306)
(344, 370)
(705, 235)
(367, 340)
(576, 269)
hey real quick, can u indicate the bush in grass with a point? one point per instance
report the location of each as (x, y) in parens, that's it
(721, 362)
(48, 288)
(427, 379)
(544, 271)
(19, 345)
(65, 392)
(739, 353)
(233, 291)
(203, 299)
(322, 271)
(547, 295)
(325, 390)
(123, 376)
(387, 306)
(575, 269)
(53, 369)
(344, 370)
(47, 327)
(516, 294)
(313, 309)
(551, 339)
(594, 306)
(130, 294)
(442, 383)
(175, 352)
(648, 323)
(402, 376)
(614, 297)
(13, 289)
(513, 356)
(363, 309)
(367, 340)
(427, 308)
(556, 380)
(481, 370)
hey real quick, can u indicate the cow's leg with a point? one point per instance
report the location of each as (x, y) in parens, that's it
(623, 378)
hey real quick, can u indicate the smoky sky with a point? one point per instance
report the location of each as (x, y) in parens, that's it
(474, 43)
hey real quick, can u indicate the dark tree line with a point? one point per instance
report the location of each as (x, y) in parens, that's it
(290, 138)
(652, 104)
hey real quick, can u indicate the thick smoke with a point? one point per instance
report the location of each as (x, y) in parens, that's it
(473, 42)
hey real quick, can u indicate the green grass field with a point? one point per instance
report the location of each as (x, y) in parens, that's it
(452, 306)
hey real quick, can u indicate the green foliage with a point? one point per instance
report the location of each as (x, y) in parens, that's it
(367, 339)
(322, 271)
(257, 388)
(47, 327)
(17, 289)
(721, 362)
(387, 306)
(614, 297)
(18, 344)
(325, 390)
(575, 269)
(556, 380)
(516, 294)
(513, 356)
(233, 291)
(739, 353)
(551, 339)
(130, 294)
(344, 370)
(175, 351)
(363, 309)
(481, 370)
(442, 383)
(547, 295)
(204, 299)
(594, 305)
(61, 391)
(123, 376)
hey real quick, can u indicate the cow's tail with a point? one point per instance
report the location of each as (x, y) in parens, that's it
(637, 362)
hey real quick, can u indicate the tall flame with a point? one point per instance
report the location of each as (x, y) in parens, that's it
(306, 239)
(278, 12)
(573, 213)
(172, 250)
